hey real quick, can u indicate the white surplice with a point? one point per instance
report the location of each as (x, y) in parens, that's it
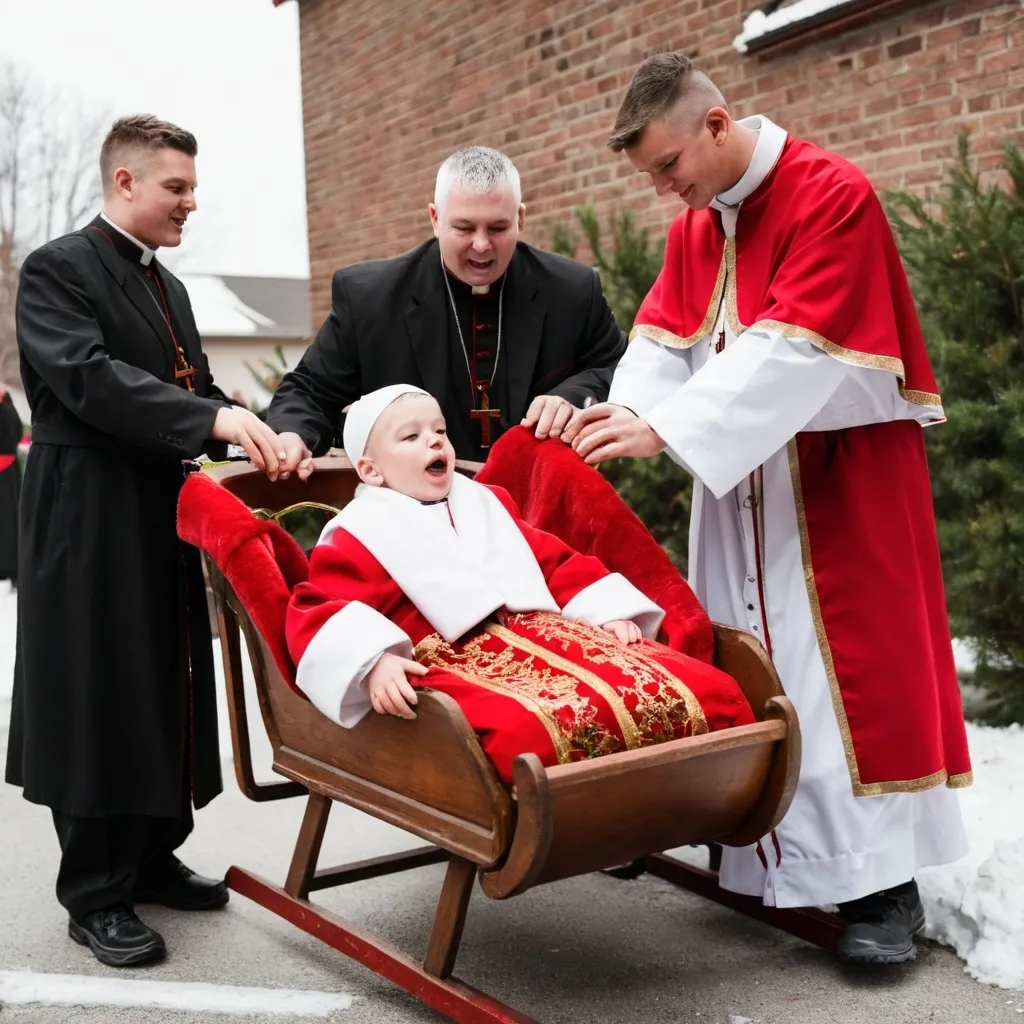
(728, 417)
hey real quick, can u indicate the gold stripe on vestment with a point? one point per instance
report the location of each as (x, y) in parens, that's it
(630, 732)
(859, 788)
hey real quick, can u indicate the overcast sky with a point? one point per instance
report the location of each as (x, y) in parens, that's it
(228, 71)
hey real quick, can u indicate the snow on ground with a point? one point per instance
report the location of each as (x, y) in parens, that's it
(976, 906)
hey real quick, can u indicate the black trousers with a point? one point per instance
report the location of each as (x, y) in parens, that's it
(101, 858)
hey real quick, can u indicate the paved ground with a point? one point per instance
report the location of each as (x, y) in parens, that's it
(590, 950)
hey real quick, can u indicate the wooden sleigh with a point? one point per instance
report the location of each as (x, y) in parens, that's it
(430, 778)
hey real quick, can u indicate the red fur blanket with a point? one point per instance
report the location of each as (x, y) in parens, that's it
(558, 492)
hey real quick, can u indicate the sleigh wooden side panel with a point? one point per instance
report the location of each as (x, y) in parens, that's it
(431, 778)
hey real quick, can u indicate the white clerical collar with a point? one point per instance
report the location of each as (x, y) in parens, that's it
(147, 254)
(767, 150)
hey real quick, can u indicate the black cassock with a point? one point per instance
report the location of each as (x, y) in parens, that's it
(10, 487)
(114, 709)
(392, 322)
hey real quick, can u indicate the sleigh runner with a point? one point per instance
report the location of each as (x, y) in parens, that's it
(430, 776)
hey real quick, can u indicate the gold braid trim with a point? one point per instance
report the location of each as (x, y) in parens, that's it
(434, 650)
(667, 338)
(630, 732)
(889, 364)
(649, 676)
(859, 788)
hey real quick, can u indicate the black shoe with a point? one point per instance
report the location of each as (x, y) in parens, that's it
(882, 926)
(117, 937)
(180, 888)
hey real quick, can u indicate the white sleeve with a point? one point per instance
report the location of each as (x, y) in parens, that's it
(333, 669)
(613, 597)
(647, 374)
(745, 404)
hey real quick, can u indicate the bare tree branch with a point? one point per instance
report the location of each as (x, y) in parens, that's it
(49, 183)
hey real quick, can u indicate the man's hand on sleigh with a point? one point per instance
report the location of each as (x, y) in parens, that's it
(624, 631)
(297, 458)
(391, 693)
(237, 425)
(606, 431)
(550, 414)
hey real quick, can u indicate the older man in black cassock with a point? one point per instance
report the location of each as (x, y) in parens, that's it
(498, 331)
(114, 717)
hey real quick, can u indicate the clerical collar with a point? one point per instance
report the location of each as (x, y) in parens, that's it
(475, 289)
(767, 150)
(128, 245)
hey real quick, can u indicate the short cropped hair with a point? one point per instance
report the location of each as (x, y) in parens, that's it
(141, 132)
(656, 87)
(479, 168)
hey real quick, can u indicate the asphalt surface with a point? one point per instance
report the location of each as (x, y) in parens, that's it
(590, 950)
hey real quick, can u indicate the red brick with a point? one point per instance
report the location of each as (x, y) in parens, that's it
(543, 78)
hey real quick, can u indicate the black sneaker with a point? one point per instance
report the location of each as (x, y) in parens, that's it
(882, 926)
(117, 937)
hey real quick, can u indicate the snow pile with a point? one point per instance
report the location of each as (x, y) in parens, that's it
(757, 23)
(977, 905)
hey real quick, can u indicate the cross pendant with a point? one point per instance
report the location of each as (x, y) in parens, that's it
(485, 414)
(184, 371)
(720, 344)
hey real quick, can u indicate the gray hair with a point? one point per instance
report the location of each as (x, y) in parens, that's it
(479, 168)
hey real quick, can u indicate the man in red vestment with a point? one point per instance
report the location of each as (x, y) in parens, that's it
(779, 359)
(426, 575)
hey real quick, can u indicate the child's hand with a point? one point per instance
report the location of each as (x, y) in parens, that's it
(623, 630)
(389, 687)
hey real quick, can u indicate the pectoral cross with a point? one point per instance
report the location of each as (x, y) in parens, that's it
(183, 370)
(485, 414)
(720, 344)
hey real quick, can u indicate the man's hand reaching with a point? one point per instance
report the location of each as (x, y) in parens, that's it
(391, 693)
(550, 415)
(606, 431)
(236, 425)
(297, 458)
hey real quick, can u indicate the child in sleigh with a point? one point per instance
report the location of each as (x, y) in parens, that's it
(427, 578)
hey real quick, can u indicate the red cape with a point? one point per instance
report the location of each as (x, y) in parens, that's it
(789, 269)
(814, 257)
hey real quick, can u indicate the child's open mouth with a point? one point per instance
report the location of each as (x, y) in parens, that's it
(438, 467)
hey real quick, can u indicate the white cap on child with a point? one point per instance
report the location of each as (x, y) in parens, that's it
(362, 415)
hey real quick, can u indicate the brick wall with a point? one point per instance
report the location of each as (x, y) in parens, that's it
(390, 87)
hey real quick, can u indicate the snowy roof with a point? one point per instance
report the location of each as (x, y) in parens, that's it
(773, 17)
(265, 307)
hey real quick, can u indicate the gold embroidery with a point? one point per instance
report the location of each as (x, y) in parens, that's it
(845, 355)
(859, 788)
(543, 691)
(889, 364)
(732, 313)
(630, 733)
(919, 397)
(663, 701)
(727, 278)
(663, 337)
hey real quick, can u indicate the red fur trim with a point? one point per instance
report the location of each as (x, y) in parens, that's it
(260, 559)
(558, 492)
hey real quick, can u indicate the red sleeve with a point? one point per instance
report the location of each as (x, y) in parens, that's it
(565, 570)
(340, 572)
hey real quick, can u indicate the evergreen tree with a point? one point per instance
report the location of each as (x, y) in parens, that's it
(656, 489)
(964, 253)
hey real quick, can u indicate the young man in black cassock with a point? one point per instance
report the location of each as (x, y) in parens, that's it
(500, 332)
(114, 717)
